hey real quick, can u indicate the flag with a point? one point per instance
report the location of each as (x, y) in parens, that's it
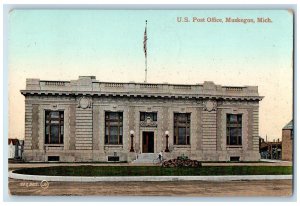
(145, 40)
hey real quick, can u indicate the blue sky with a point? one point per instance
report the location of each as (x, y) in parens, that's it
(63, 44)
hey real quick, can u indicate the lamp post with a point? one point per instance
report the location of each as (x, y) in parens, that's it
(131, 135)
(167, 141)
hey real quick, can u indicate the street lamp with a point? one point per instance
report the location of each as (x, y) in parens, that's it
(167, 141)
(131, 135)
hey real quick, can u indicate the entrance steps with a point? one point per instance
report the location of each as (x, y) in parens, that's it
(145, 158)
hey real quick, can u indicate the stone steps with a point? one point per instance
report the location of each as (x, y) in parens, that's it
(145, 158)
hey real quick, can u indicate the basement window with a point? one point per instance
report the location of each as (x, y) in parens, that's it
(235, 159)
(53, 158)
(113, 158)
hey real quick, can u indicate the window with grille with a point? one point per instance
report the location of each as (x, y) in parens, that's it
(182, 128)
(145, 115)
(54, 127)
(234, 129)
(113, 127)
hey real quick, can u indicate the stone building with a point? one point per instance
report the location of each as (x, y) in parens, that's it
(15, 148)
(287, 141)
(88, 120)
(13, 145)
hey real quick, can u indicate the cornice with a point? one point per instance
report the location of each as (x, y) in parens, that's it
(140, 95)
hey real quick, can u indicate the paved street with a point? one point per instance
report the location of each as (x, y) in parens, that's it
(186, 188)
(276, 188)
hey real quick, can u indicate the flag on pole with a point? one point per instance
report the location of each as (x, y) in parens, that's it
(145, 40)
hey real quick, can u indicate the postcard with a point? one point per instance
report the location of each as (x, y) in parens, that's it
(172, 103)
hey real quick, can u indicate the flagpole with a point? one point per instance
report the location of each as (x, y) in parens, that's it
(146, 69)
(145, 50)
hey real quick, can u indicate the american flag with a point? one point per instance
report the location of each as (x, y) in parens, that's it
(145, 40)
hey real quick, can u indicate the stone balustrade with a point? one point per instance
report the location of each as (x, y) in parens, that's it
(90, 84)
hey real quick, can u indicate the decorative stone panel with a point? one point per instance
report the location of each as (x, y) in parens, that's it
(35, 128)
(28, 126)
(199, 129)
(210, 105)
(72, 119)
(219, 130)
(209, 128)
(148, 123)
(96, 127)
(250, 130)
(255, 129)
(85, 102)
(84, 129)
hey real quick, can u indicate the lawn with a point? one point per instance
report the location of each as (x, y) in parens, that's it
(155, 171)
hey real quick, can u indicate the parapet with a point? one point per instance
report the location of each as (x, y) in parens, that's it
(88, 85)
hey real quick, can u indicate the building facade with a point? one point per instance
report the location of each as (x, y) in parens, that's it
(15, 148)
(86, 120)
(270, 150)
(287, 141)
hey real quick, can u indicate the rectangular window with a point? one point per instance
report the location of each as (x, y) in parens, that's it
(146, 115)
(234, 129)
(182, 128)
(53, 158)
(113, 128)
(234, 159)
(54, 127)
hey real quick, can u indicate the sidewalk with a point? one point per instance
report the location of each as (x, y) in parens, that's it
(263, 163)
(219, 178)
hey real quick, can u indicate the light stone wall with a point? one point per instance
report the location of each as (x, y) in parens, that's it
(84, 121)
(85, 130)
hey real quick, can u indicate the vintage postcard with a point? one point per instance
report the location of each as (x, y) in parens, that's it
(184, 103)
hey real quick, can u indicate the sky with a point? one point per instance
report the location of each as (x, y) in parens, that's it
(108, 44)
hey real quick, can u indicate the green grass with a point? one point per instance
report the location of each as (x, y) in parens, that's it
(155, 171)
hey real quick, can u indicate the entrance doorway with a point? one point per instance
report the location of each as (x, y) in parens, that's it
(148, 142)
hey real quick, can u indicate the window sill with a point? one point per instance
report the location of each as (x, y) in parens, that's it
(113, 145)
(182, 146)
(234, 146)
(54, 145)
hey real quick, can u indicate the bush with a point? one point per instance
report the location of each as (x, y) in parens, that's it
(183, 157)
(181, 162)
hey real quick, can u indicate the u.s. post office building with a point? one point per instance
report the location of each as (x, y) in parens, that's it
(86, 120)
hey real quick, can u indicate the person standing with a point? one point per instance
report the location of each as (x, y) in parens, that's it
(160, 156)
